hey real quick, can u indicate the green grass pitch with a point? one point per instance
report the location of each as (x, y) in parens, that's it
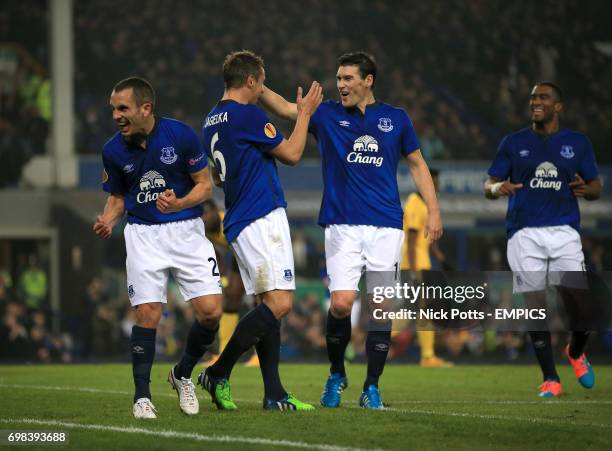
(465, 407)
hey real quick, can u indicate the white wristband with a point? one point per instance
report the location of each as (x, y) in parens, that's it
(496, 187)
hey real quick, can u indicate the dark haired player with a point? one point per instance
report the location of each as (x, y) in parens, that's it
(361, 142)
(544, 169)
(155, 169)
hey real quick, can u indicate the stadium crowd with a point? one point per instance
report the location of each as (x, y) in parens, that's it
(25, 332)
(462, 71)
(25, 97)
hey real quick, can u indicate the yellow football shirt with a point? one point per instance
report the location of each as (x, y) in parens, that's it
(415, 218)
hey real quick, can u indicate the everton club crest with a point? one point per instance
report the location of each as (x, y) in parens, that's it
(168, 155)
(385, 124)
(567, 152)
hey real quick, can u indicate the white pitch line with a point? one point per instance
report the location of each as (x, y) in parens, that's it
(77, 389)
(388, 409)
(182, 435)
(400, 402)
(533, 420)
(99, 391)
(507, 402)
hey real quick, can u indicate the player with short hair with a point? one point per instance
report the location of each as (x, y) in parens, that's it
(244, 145)
(155, 169)
(544, 169)
(361, 142)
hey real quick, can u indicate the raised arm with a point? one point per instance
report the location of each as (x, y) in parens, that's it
(114, 210)
(422, 179)
(278, 105)
(290, 150)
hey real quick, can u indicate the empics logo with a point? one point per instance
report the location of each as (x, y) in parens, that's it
(365, 150)
(150, 180)
(270, 130)
(545, 171)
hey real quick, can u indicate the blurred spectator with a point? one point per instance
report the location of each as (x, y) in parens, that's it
(25, 89)
(432, 146)
(302, 330)
(13, 333)
(33, 286)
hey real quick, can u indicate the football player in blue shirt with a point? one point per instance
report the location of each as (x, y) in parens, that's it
(244, 145)
(361, 143)
(544, 169)
(155, 168)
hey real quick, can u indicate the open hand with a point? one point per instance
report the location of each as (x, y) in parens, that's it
(309, 104)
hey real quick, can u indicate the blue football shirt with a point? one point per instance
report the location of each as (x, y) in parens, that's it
(545, 165)
(359, 158)
(173, 152)
(239, 138)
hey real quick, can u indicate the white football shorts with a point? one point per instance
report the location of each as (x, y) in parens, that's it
(181, 248)
(541, 256)
(351, 249)
(264, 254)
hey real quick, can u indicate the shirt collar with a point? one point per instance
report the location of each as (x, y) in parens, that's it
(354, 110)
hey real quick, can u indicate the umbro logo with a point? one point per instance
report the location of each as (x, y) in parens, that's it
(344, 123)
(138, 349)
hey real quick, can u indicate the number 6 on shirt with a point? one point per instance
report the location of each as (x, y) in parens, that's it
(218, 157)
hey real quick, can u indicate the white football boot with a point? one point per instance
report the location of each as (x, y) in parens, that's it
(188, 402)
(144, 408)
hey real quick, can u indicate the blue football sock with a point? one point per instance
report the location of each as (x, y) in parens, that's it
(268, 351)
(377, 348)
(337, 338)
(250, 329)
(198, 339)
(143, 353)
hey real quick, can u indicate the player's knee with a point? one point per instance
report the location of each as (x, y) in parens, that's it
(281, 308)
(208, 310)
(285, 309)
(210, 319)
(148, 315)
(341, 306)
(279, 302)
